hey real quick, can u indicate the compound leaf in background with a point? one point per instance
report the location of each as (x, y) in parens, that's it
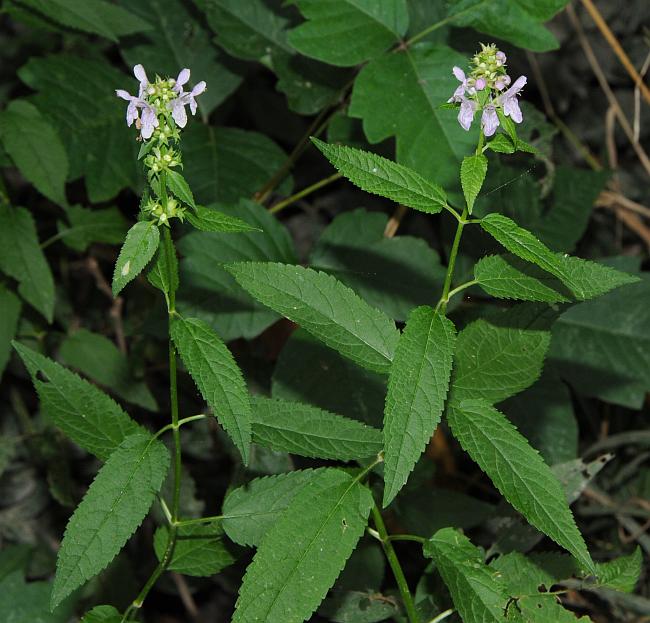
(417, 388)
(84, 413)
(250, 510)
(392, 274)
(518, 472)
(399, 95)
(308, 431)
(472, 175)
(99, 359)
(478, 592)
(348, 32)
(139, 246)
(10, 307)
(325, 307)
(112, 509)
(383, 177)
(305, 550)
(211, 293)
(217, 376)
(22, 259)
(86, 226)
(35, 148)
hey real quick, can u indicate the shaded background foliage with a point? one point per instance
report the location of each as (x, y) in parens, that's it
(69, 190)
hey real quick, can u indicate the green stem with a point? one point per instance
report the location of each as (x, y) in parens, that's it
(442, 616)
(192, 522)
(303, 193)
(173, 394)
(393, 561)
(460, 288)
(185, 420)
(407, 537)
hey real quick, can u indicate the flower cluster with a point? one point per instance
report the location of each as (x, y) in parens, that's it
(162, 213)
(483, 90)
(159, 100)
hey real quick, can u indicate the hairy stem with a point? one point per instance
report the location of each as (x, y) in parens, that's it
(394, 563)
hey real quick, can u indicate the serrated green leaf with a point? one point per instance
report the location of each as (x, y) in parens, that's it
(518, 472)
(325, 307)
(35, 148)
(392, 274)
(314, 536)
(217, 376)
(163, 274)
(199, 550)
(348, 32)
(621, 574)
(9, 314)
(110, 512)
(498, 357)
(472, 175)
(308, 431)
(479, 593)
(417, 388)
(139, 247)
(249, 511)
(87, 226)
(209, 219)
(179, 187)
(383, 177)
(21, 257)
(102, 614)
(398, 95)
(84, 413)
(501, 144)
(99, 359)
(590, 279)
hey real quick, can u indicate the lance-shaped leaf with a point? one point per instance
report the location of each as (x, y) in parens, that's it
(348, 32)
(472, 176)
(139, 247)
(518, 472)
(110, 512)
(83, 412)
(417, 388)
(478, 592)
(163, 274)
(217, 376)
(249, 511)
(303, 553)
(324, 307)
(309, 431)
(383, 177)
(179, 187)
(199, 550)
(209, 219)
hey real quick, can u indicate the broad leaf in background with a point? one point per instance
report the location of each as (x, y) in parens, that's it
(29, 602)
(84, 413)
(139, 247)
(92, 16)
(417, 388)
(478, 592)
(399, 95)
(10, 307)
(348, 32)
(325, 307)
(180, 39)
(499, 356)
(472, 175)
(217, 376)
(602, 347)
(305, 550)
(249, 511)
(383, 177)
(98, 145)
(309, 372)
(209, 292)
(22, 259)
(308, 431)
(99, 359)
(199, 550)
(393, 274)
(86, 226)
(210, 219)
(35, 148)
(112, 509)
(518, 472)
(225, 164)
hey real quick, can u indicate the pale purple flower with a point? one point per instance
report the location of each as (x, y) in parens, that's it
(183, 77)
(480, 84)
(501, 58)
(489, 120)
(510, 102)
(177, 105)
(141, 75)
(148, 119)
(466, 113)
(462, 87)
(502, 82)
